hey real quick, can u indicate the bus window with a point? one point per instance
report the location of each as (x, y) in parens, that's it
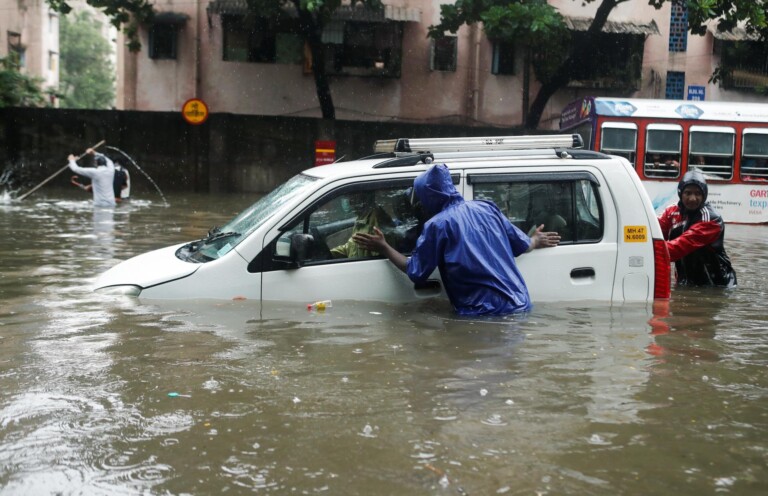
(618, 138)
(663, 143)
(711, 150)
(754, 155)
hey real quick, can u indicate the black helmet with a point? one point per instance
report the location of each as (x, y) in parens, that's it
(695, 177)
(100, 160)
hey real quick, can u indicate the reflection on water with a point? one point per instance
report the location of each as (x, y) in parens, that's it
(122, 396)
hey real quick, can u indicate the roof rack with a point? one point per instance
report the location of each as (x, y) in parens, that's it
(478, 144)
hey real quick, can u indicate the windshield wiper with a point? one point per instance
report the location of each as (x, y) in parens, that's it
(215, 233)
(220, 235)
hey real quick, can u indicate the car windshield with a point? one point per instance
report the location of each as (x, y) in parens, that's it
(221, 240)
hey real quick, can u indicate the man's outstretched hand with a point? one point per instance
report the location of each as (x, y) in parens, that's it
(371, 242)
(541, 239)
(377, 243)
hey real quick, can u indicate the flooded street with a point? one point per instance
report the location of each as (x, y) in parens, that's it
(113, 395)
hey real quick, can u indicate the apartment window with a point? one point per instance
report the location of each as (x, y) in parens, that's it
(746, 63)
(675, 85)
(444, 52)
(503, 63)
(16, 50)
(678, 27)
(262, 40)
(53, 61)
(162, 41)
(365, 49)
(711, 150)
(616, 62)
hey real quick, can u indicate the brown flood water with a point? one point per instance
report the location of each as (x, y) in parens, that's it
(365, 398)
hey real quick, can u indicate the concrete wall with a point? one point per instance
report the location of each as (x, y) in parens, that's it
(227, 153)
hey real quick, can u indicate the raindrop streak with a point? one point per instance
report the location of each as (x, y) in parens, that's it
(140, 170)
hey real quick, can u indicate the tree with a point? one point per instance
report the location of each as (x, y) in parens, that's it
(18, 89)
(125, 15)
(87, 74)
(559, 55)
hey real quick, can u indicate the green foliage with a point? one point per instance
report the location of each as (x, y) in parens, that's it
(17, 89)
(87, 74)
(125, 15)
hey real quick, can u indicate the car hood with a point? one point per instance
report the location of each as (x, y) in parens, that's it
(148, 269)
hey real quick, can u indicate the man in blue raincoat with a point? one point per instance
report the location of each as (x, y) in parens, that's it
(473, 245)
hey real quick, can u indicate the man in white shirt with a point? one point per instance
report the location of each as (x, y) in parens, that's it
(102, 176)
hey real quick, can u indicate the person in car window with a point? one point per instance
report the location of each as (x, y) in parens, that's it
(101, 177)
(694, 232)
(473, 245)
(369, 215)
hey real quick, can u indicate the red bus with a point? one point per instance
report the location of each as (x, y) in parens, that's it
(727, 141)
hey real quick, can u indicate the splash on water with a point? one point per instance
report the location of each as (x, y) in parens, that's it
(133, 162)
(6, 182)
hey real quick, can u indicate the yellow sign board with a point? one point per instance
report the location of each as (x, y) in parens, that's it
(635, 234)
(195, 111)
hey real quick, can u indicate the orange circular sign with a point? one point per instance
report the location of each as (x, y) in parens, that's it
(195, 111)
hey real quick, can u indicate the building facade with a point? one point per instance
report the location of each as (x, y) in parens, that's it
(382, 66)
(29, 33)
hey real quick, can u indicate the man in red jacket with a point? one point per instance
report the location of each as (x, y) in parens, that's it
(694, 232)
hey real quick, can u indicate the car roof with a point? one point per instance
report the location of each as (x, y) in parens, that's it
(403, 154)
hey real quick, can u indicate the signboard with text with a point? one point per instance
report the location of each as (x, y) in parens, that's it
(194, 111)
(325, 152)
(696, 93)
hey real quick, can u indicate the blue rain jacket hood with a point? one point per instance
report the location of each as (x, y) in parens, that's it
(435, 190)
(472, 244)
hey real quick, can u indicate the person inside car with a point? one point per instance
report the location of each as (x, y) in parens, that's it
(369, 215)
(695, 234)
(473, 245)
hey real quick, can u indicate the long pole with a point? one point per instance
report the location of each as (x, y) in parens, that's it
(56, 173)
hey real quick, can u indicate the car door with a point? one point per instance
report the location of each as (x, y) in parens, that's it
(572, 203)
(334, 267)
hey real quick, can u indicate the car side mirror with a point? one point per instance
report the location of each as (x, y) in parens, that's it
(302, 247)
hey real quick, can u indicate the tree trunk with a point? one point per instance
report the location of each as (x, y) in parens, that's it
(312, 29)
(526, 83)
(580, 53)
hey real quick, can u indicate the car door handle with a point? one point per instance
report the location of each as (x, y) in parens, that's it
(582, 272)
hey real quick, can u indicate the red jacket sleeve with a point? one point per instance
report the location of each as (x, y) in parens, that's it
(699, 235)
(665, 220)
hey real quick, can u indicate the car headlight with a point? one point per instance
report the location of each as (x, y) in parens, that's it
(122, 290)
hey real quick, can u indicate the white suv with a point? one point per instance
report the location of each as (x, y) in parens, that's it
(289, 245)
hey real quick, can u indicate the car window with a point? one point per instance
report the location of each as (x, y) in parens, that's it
(570, 207)
(333, 220)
